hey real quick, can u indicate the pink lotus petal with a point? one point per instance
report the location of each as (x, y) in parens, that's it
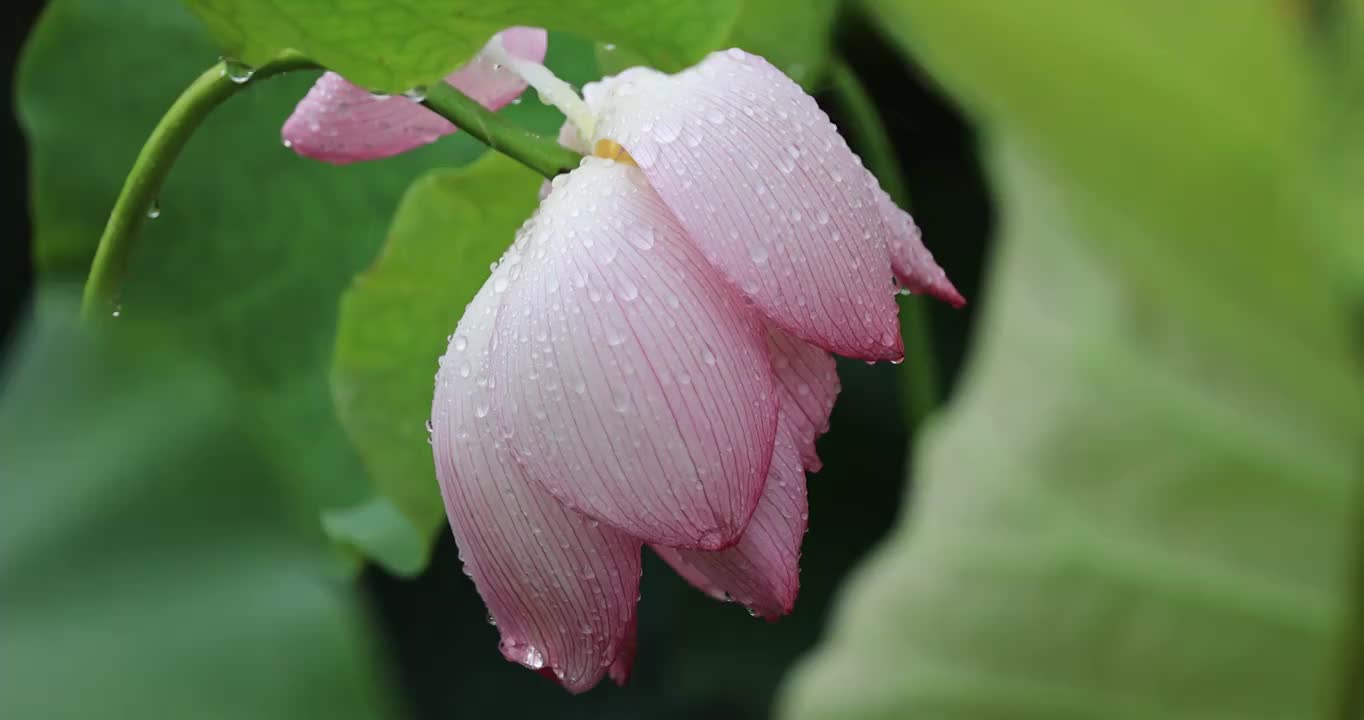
(762, 571)
(913, 264)
(338, 122)
(569, 138)
(770, 192)
(807, 382)
(632, 383)
(561, 588)
(625, 657)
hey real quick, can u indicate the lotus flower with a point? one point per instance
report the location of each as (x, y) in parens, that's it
(650, 362)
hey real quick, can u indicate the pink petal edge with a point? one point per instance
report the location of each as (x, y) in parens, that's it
(340, 123)
(807, 382)
(913, 264)
(561, 588)
(762, 571)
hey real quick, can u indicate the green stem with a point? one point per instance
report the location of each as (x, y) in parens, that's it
(149, 171)
(211, 89)
(867, 134)
(536, 152)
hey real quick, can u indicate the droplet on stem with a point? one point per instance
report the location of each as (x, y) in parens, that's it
(237, 71)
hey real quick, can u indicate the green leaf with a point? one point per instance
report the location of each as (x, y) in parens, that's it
(1106, 526)
(1339, 153)
(378, 530)
(394, 45)
(148, 565)
(794, 36)
(1144, 501)
(253, 245)
(396, 316)
(1188, 114)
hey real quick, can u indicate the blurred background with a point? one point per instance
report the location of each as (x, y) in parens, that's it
(1141, 499)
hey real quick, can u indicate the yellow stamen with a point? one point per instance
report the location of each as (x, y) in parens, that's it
(611, 150)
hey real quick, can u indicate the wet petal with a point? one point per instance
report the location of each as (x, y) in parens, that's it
(633, 382)
(807, 383)
(338, 122)
(762, 571)
(913, 264)
(561, 588)
(625, 657)
(768, 189)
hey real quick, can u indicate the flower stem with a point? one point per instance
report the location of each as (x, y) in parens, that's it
(541, 154)
(138, 197)
(920, 393)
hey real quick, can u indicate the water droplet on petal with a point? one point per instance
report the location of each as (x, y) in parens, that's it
(620, 399)
(643, 238)
(665, 133)
(416, 94)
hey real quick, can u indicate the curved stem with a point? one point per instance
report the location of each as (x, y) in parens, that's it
(211, 89)
(869, 136)
(153, 164)
(541, 154)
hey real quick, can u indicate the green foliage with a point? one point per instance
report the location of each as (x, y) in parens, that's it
(1145, 501)
(148, 567)
(796, 37)
(396, 316)
(394, 45)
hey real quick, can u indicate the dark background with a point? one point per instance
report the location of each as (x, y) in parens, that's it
(698, 658)
(16, 268)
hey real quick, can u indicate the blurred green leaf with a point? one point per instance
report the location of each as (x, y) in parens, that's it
(1339, 154)
(1100, 528)
(1192, 116)
(253, 245)
(794, 36)
(148, 568)
(396, 316)
(1144, 503)
(376, 529)
(393, 46)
